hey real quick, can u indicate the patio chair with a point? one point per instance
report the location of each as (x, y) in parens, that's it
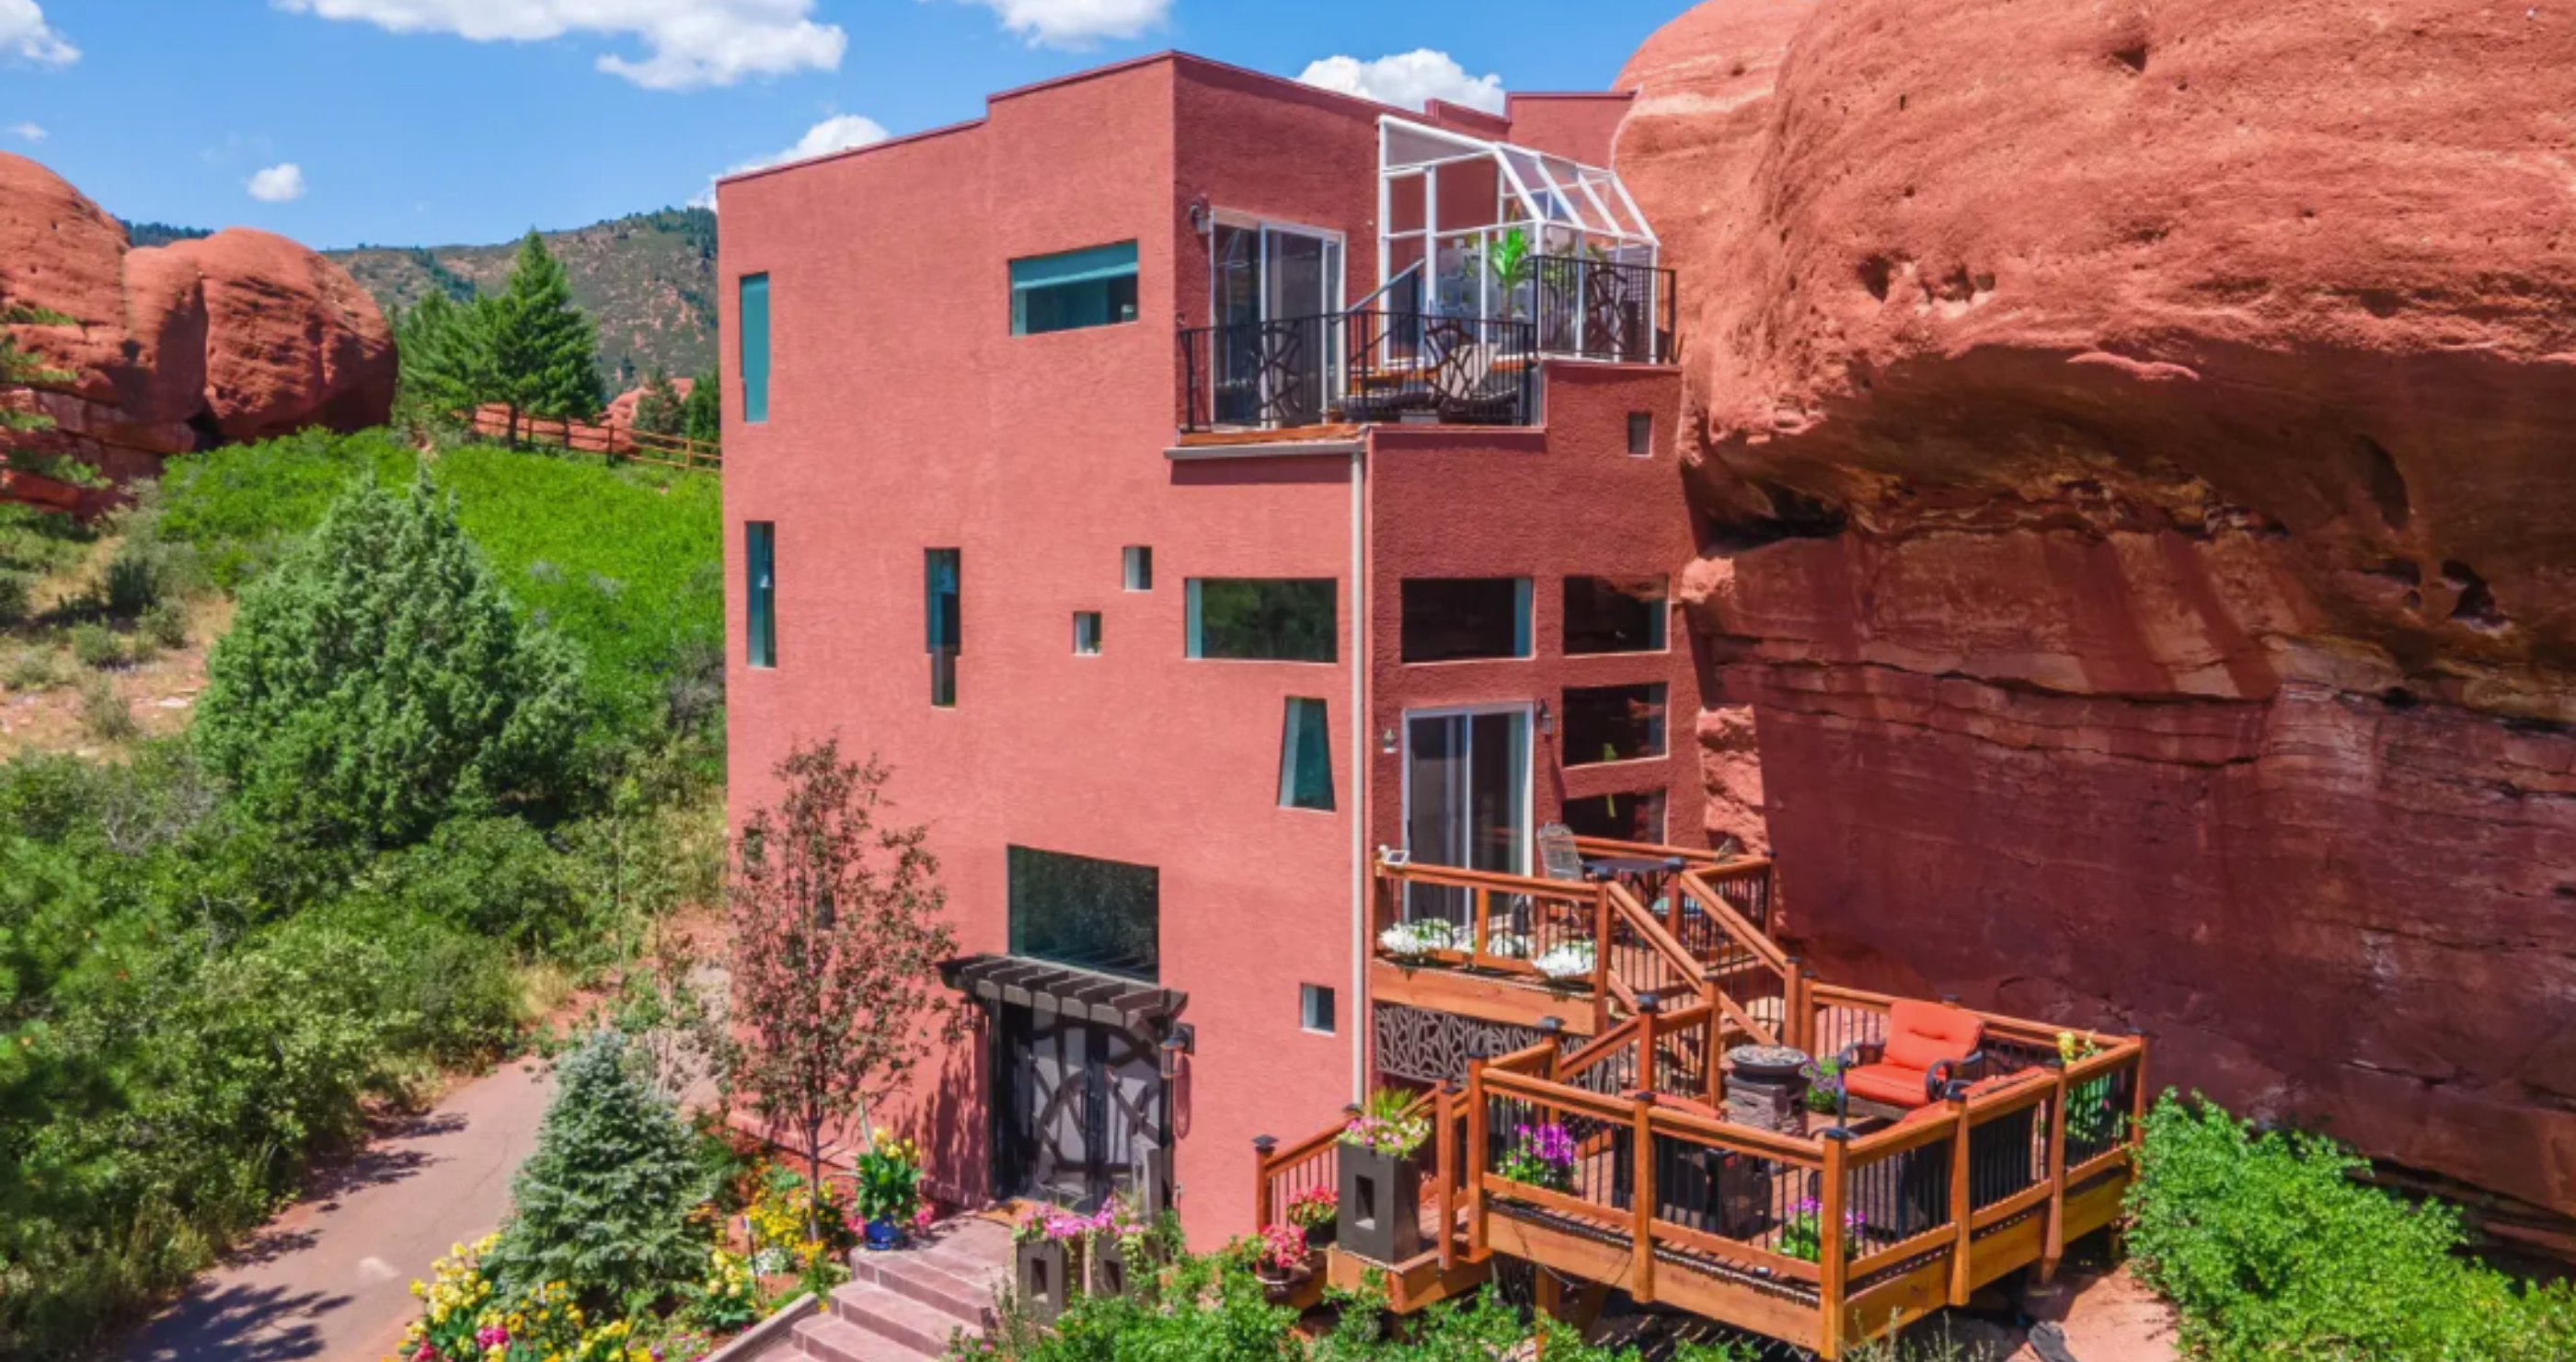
(1929, 1048)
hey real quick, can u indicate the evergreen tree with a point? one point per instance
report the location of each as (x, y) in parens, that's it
(20, 371)
(544, 350)
(446, 350)
(603, 1204)
(702, 415)
(377, 683)
(658, 411)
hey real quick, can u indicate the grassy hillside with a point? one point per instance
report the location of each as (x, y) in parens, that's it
(647, 279)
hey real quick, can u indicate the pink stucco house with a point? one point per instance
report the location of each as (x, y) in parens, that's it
(1192, 482)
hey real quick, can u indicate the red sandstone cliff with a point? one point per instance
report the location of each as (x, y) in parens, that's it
(237, 336)
(2136, 447)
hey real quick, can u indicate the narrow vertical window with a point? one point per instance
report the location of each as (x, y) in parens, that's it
(1086, 632)
(940, 572)
(1641, 433)
(1139, 567)
(760, 571)
(754, 321)
(1305, 758)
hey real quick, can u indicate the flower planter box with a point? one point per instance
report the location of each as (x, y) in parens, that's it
(1381, 1208)
(1115, 1271)
(1045, 1275)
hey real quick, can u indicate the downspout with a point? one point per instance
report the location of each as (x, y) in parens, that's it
(1361, 776)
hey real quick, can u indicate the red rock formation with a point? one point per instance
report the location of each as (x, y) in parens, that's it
(237, 336)
(621, 408)
(2134, 446)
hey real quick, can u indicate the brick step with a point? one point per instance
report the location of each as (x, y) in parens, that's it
(871, 1324)
(961, 1291)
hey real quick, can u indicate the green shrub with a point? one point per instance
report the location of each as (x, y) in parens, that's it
(450, 997)
(96, 645)
(604, 1203)
(32, 669)
(2272, 1251)
(17, 598)
(493, 877)
(166, 624)
(241, 507)
(132, 582)
(104, 712)
(377, 683)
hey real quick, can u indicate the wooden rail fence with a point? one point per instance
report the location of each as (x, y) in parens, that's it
(619, 442)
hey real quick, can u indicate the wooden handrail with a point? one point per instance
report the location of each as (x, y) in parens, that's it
(1733, 923)
(1612, 846)
(1455, 878)
(1643, 923)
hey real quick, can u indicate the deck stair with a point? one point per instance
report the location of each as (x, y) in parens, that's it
(908, 1304)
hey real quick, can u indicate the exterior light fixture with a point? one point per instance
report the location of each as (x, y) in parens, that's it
(1546, 719)
(1386, 742)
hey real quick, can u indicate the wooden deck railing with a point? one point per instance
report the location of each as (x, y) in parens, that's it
(621, 442)
(1824, 1242)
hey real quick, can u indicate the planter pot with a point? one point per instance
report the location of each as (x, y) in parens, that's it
(1114, 1272)
(1381, 1208)
(1321, 1236)
(1279, 1286)
(884, 1235)
(1045, 1275)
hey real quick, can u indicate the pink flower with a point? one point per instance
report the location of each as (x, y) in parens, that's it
(921, 1216)
(491, 1336)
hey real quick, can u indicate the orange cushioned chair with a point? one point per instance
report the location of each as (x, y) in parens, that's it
(1929, 1047)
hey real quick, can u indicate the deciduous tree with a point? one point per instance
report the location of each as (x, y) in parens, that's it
(838, 928)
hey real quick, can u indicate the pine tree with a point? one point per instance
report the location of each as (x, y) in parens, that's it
(702, 415)
(377, 683)
(544, 350)
(603, 1204)
(446, 350)
(20, 371)
(658, 411)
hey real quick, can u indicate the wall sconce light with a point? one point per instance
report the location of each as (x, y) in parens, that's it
(1201, 217)
(1546, 720)
(1182, 1041)
(1386, 743)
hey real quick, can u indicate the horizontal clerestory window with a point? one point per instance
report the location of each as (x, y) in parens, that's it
(1095, 286)
(1614, 615)
(1613, 723)
(1085, 912)
(1458, 619)
(1262, 619)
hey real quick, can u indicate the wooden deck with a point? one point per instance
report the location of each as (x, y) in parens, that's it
(1824, 1239)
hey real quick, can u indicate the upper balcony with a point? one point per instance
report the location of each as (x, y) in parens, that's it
(1493, 258)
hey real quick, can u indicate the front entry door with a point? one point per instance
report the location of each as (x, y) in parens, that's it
(1080, 1105)
(1466, 799)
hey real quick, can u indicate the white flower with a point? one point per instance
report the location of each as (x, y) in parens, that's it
(1570, 961)
(1408, 939)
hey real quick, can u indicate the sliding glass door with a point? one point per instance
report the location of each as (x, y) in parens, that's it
(1466, 799)
(1274, 291)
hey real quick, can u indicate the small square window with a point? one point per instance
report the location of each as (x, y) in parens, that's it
(1086, 632)
(1140, 567)
(1641, 433)
(1315, 1008)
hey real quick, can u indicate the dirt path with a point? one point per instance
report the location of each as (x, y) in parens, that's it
(330, 1280)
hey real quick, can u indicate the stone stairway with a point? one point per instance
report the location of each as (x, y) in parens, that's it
(904, 1306)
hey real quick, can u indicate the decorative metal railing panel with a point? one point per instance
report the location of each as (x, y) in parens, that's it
(1603, 309)
(1359, 367)
(1433, 1047)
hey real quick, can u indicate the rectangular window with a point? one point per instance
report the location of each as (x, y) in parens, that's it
(760, 571)
(940, 574)
(1091, 287)
(1090, 914)
(1614, 615)
(1086, 632)
(1613, 723)
(1305, 758)
(1641, 433)
(1139, 567)
(1619, 817)
(1455, 619)
(1267, 619)
(1315, 1008)
(754, 320)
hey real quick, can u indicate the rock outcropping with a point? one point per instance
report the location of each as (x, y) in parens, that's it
(2135, 450)
(237, 336)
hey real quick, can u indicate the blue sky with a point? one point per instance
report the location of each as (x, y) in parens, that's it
(431, 122)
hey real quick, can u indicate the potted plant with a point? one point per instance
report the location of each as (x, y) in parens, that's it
(889, 1187)
(1542, 1156)
(2090, 1116)
(1377, 1210)
(1414, 942)
(1315, 1210)
(1566, 965)
(1117, 1244)
(1803, 1237)
(1824, 1085)
(1280, 1261)
(1046, 1260)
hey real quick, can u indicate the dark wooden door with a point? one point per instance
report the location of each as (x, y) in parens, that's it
(1080, 1106)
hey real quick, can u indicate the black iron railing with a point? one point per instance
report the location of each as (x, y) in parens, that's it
(1358, 367)
(1602, 309)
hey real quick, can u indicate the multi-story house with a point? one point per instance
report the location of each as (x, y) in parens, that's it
(1190, 482)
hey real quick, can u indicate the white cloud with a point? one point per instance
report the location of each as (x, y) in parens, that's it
(28, 132)
(278, 184)
(1078, 23)
(1407, 80)
(840, 132)
(25, 35)
(687, 43)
